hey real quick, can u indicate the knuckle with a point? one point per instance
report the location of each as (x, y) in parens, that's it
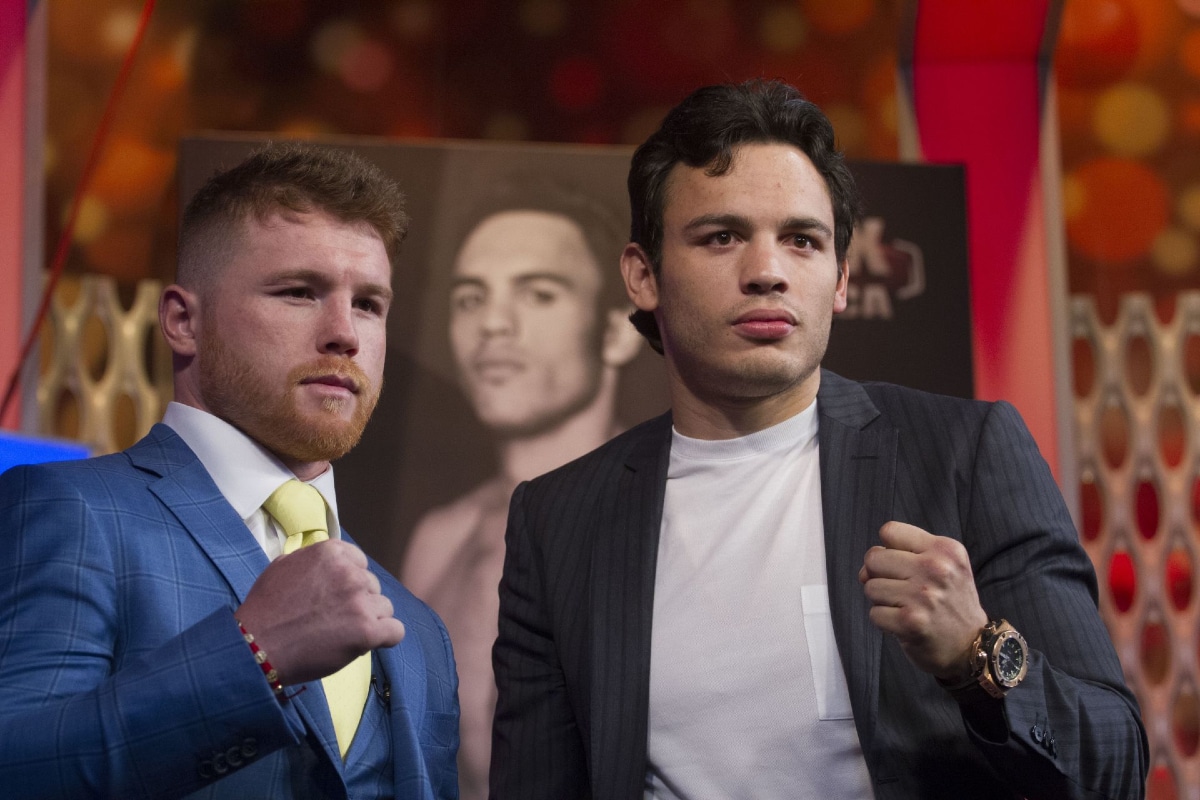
(940, 571)
(952, 549)
(911, 618)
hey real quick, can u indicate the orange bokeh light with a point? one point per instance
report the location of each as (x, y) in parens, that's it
(1097, 42)
(1122, 206)
(131, 175)
(1189, 52)
(1159, 24)
(1188, 111)
(840, 18)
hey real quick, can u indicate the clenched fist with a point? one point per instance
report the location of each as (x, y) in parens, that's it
(316, 610)
(922, 591)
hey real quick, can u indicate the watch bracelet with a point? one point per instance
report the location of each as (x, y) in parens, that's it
(970, 690)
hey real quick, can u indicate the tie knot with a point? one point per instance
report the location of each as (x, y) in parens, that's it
(300, 511)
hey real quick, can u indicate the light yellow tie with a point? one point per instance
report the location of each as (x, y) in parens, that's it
(300, 511)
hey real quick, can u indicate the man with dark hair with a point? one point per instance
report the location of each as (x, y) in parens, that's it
(794, 585)
(539, 333)
(187, 617)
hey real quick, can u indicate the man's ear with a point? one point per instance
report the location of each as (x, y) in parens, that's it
(179, 319)
(621, 340)
(839, 292)
(640, 282)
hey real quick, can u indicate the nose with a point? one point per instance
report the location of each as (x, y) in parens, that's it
(499, 317)
(339, 333)
(762, 270)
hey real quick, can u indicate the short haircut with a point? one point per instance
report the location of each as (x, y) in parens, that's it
(704, 130)
(600, 225)
(282, 178)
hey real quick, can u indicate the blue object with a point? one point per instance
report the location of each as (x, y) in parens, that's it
(18, 448)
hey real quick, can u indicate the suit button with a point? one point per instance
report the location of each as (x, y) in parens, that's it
(219, 764)
(249, 748)
(1036, 733)
(233, 756)
(206, 770)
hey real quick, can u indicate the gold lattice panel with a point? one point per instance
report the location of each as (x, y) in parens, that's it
(105, 376)
(1137, 403)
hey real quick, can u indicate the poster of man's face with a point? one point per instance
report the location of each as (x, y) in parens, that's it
(528, 311)
(539, 334)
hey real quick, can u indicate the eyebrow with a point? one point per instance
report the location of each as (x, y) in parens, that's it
(319, 278)
(384, 293)
(739, 221)
(717, 220)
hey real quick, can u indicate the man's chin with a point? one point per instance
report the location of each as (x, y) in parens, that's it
(517, 423)
(324, 442)
(311, 435)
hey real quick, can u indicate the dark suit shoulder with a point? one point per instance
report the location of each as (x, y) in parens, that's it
(940, 437)
(904, 407)
(955, 420)
(892, 394)
(599, 492)
(634, 447)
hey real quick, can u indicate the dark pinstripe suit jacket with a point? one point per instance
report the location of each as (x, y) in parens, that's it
(573, 653)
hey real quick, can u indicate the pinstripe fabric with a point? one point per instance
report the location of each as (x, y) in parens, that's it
(572, 657)
(122, 672)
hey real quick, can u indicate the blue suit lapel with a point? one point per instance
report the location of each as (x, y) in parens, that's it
(858, 476)
(186, 488)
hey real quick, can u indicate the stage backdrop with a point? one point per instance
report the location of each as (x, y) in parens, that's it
(907, 322)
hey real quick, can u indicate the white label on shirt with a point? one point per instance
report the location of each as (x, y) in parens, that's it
(833, 696)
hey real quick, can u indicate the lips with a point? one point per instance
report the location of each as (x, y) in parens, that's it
(333, 381)
(766, 323)
(497, 368)
(767, 315)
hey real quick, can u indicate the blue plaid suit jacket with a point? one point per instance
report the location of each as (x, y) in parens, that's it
(572, 659)
(123, 673)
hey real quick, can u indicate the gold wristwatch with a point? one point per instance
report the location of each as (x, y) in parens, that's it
(999, 659)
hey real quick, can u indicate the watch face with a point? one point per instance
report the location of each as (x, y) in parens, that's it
(1010, 661)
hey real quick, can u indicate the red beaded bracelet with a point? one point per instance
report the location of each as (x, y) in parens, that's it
(260, 656)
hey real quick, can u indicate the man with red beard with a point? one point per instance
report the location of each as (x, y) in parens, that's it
(169, 625)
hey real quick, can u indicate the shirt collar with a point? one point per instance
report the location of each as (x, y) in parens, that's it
(244, 471)
(796, 431)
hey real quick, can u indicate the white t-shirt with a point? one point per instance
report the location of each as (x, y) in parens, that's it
(747, 694)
